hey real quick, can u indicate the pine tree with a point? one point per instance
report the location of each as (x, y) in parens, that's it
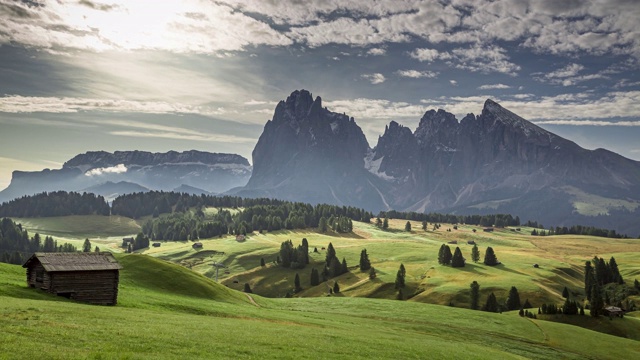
(343, 267)
(365, 264)
(441, 255)
(565, 293)
(513, 301)
(247, 288)
(475, 295)
(400, 277)
(262, 262)
(588, 279)
(596, 303)
(527, 304)
(424, 225)
(322, 225)
(296, 283)
(615, 272)
(475, 253)
(385, 224)
(86, 247)
(407, 226)
(97, 249)
(336, 288)
(457, 260)
(378, 222)
(314, 278)
(331, 254)
(446, 257)
(492, 304)
(490, 257)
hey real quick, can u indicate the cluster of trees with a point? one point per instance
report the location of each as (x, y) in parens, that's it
(446, 258)
(580, 230)
(570, 307)
(16, 245)
(294, 257)
(291, 214)
(382, 224)
(340, 224)
(58, 203)
(333, 267)
(139, 242)
(499, 220)
(599, 273)
(492, 305)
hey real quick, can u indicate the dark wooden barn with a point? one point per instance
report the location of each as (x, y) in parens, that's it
(89, 277)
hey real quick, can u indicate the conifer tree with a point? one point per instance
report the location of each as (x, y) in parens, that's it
(86, 247)
(296, 283)
(343, 267)
(492, 304)
(596, 304)
(247, 288)
(441, 255)
(365, 264)
(588, 279)
(615, 272)
(378, 222)
(322, 225)
(565, 293)
(97, 249)
(400, 277)
(513, 301)
(385, 224)
(407, 226)
(475, 295)
(424, 225)
(331, 254)
(262, 262)
(457, 260)
(475, 253)
(446, 257)
(490, 257)
(336, 288)
(527, 304)
(314, 279)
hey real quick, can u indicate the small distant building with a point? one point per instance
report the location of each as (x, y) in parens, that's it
(488, 229)
(240, 238)
(471, 242)
(89, 277)
(613, 311)
(156, 244)
(127, 241)
(197, 245)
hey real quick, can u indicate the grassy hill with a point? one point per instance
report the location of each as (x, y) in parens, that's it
(167, 311)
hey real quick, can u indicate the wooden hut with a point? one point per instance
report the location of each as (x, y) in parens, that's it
(613, 311)
(197, 245)
(89, 277)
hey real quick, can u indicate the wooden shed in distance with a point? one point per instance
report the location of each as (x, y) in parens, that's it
(89, 277)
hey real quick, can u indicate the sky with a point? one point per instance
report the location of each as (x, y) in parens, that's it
(78, 76)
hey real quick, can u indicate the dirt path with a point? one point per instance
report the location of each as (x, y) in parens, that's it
(251, 300)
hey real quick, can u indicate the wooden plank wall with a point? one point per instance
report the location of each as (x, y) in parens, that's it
(96, 287)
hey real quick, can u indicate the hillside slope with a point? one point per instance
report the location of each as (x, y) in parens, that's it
(192, 326)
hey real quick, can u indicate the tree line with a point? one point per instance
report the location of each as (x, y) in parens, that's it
(16, 245)
(499, 220)
(57, 203)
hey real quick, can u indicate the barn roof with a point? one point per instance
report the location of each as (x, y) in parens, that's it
(89, 261)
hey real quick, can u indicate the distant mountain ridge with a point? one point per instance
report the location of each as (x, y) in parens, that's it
(495, 162)
(121, 172)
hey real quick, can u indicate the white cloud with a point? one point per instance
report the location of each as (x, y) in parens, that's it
(375, 78)
(567, 71)
(494, 86)
(568, 75)
(429, 55)
(181, 27)
(417, 74)
(118, 169)
(151, 130)
(588, 123)
(377, 51)
(453, 82)
(255, 102)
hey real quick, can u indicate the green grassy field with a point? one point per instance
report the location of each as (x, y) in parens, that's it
(167, 312)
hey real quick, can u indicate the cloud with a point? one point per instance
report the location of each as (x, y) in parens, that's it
(179, 27)
(118, 169)
(483, 58)
(417, 74)
(375, 78)
(255, 102)
(494, 86)
(151, 130)
(588, 123)
(568, 75)
(429, 55)
(377, 51)
(453, 82)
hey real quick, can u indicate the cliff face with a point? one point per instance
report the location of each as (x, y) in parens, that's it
(309, 153)
(492, 162)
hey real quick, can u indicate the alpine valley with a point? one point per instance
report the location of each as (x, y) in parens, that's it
(494, 162)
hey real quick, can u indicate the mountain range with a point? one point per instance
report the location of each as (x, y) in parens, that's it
(494, 162)
(122, 172)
